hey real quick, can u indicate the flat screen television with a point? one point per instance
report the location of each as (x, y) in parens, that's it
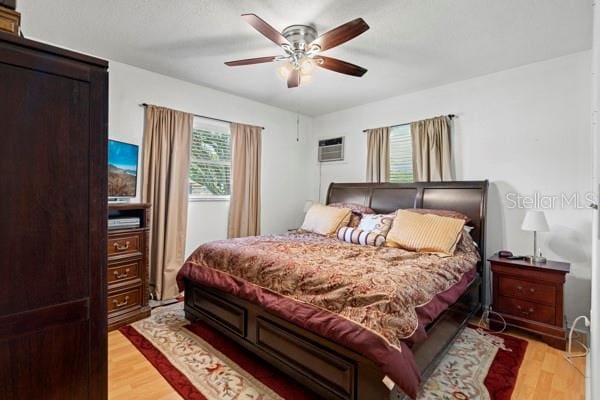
(122, 169)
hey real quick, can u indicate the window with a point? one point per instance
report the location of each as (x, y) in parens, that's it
(210, 161)
(401, 163)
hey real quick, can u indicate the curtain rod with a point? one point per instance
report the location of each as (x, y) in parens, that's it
(204, 116)
(450, 116)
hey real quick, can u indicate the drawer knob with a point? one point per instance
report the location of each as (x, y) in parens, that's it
(123, 275)
(121, 247)
(529, 311)
(123, 303)
(519, 288)
(532, 290)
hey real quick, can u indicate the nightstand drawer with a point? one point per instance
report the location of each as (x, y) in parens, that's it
(536, 292)
(526, 309)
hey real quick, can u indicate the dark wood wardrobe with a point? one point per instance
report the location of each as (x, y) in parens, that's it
(53, 140)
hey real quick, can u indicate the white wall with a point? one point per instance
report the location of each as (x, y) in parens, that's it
(524, 129)
(285, 183)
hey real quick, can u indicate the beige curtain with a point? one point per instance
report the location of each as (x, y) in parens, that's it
(244, 206)
(378, 154)
(166, 157)
(431, 150)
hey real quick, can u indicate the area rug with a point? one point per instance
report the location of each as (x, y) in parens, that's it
(201, 364)
(478, 365)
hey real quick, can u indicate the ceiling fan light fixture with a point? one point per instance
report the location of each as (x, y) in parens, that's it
(285, 70)
(307, 66)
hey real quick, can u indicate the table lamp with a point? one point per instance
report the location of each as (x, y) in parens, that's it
(535, 221)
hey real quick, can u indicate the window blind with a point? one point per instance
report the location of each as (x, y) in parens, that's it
(210, 163)
(401, 160)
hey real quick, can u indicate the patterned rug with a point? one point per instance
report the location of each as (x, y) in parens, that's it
(201, 364)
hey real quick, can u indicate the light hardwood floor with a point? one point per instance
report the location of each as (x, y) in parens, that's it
(131, 376)
(544, 375)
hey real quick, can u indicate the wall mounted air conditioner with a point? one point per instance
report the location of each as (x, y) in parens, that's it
(331, 149)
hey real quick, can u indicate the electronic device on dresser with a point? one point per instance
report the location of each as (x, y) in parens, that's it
(529, 296)
(122, 170)
(127, 272)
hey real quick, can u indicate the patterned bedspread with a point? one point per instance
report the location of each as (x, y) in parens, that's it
(366, 291)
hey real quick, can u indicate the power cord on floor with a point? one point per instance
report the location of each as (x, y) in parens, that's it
(569, 355)
(484, 321)
(484, 327)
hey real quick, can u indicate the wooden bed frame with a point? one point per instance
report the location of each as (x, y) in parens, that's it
(328, 369)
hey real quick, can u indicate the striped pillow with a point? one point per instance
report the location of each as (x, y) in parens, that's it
(425, 233)
(356, 236)
(441, 213)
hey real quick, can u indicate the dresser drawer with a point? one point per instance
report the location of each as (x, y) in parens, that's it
(125, 244)
(123, 300)
(526, 309)
(536, 292)
(124, 272)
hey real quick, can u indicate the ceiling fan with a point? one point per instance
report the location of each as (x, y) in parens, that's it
(303, 49)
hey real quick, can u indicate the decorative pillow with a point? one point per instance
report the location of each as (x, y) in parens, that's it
(358, 211)
(325, 220)
(376, 223)
(425, 233)
(356, 236)
(441, 213)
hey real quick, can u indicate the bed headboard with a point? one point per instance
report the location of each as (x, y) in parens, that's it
(467, 197)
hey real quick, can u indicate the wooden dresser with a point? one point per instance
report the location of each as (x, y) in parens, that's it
(530, 297)
(127, 272)
(53, 127)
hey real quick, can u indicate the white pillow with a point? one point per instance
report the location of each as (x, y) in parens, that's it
(325, 220)
(376, 223)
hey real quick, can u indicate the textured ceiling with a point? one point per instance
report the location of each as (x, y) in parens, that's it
(412, 44)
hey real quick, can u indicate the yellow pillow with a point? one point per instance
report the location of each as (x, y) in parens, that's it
(325, 220)
(425, 233)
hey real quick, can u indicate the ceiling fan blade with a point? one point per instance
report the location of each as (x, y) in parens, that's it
(340, 66)
(294, 79)
(248, 61)
(341, 34)
(267, 30)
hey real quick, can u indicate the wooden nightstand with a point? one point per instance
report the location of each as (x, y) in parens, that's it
(530, 297)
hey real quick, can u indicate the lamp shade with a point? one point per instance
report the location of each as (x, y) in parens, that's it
(535, 221)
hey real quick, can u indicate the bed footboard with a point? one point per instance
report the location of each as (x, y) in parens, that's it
(329, 370)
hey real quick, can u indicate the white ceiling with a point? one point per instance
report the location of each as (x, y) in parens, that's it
(412, 44)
